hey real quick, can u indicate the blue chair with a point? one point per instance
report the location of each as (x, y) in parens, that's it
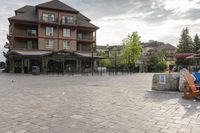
(197, 77)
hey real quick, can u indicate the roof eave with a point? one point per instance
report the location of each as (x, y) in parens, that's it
(38, 7)
(15, 20)
(93, 28)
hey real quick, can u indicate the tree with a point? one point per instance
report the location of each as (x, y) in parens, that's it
(157, 62)
(185, 42)
(131, 48)
(104, 62)
(196, 43)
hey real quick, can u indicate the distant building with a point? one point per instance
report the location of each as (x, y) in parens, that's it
(148, 49)
(151, 47)
(110, 50)
(52, 36)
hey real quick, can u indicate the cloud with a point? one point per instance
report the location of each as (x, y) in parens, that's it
(193, 14)
(153, 19)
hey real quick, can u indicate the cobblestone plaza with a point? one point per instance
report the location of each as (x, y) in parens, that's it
(92, 104)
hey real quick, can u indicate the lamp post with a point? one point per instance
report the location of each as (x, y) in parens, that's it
(93, 49)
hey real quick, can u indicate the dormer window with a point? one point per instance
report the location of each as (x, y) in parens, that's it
(48, 17)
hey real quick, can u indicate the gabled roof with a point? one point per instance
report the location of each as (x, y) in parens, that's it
(28, 15)
(159, 45)
(56, 5)
(86, 18)
(82, 21)
(25, 9)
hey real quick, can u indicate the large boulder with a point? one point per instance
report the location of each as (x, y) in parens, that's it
(165, 82)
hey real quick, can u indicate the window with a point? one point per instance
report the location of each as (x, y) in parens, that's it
(48, 17)
(66, 44)
(49, 31)
(80, 35)
(31, 32)
(30, 44)
(67, 20)
(66, 32)
(49, 44)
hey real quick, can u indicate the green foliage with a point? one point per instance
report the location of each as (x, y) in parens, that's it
(131, 48)
(102, 53)
(185, 42)
(157, 62)
(182, 62)
(196, 43)
(104, 62)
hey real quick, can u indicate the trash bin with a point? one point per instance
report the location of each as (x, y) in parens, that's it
(165, 82)
(35, 70)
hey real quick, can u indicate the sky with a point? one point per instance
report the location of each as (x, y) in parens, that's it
(161, 20)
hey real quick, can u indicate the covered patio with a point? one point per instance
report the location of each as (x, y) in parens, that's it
(62, 61)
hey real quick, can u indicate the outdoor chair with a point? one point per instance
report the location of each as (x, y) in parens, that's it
(190, 85)
(197, 77)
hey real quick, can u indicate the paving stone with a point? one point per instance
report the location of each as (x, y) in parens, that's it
(92, 104)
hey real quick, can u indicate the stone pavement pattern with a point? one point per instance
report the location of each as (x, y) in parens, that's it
(98, 104)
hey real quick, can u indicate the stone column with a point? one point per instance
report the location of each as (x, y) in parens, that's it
(44, 65)
(22, 66)
(11, 67)
(79, 65)
(28, 65)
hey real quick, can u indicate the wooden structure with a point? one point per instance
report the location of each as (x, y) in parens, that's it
(190, 88)
(52, 36)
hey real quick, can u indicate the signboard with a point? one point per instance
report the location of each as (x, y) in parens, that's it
(162, 79)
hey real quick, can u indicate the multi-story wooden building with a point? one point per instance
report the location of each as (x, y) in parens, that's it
(149, 48)
(52, 36)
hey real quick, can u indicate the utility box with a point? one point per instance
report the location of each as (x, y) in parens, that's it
(165, 82)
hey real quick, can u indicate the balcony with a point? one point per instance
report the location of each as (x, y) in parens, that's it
(48, 20)
(26, 44)
(85, 48)
(26, 34)
(85, 38)
(68, 23)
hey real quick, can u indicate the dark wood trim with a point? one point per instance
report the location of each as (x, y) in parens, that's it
(24, 22)
(60, 38)
(25, 37)
(86, 41)
(50, 9)
(86, 28)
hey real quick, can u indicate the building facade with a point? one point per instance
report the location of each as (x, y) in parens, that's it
(151, 47)
(50, 35)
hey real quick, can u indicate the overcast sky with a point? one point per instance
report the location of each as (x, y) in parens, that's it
(161, 20)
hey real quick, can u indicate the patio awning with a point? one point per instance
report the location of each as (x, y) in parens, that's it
(30, 53)
(89, 56)
(194, 56)
(183, 55)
